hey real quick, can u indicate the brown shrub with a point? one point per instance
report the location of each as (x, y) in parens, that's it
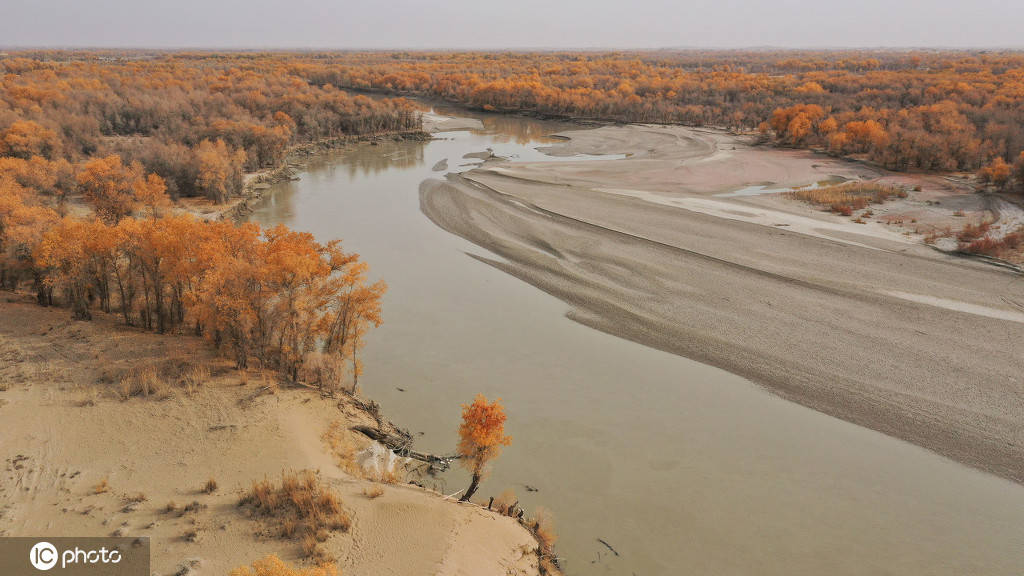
(972, 232)
(273, 566)
(301, 506)
(844, 209)
(997, 247)
(144, 381)
(194, 376)
(849, 196)
(543, 526)
(210, 487)
(504, 502)
(101, 487)
(373, 492)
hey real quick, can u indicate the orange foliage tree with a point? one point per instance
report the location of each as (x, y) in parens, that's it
(114, 189)
(481, 436)
(276, 295)
(219, 170)
(997, 172)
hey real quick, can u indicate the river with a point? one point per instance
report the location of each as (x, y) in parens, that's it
(680, 467)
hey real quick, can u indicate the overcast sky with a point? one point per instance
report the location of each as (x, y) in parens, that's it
(511, 23)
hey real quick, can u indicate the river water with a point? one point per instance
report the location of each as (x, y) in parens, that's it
(680, 467)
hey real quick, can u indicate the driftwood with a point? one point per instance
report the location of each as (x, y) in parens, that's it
(402, 446)
(608, 546)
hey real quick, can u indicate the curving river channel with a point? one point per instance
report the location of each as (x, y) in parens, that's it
(680, 467)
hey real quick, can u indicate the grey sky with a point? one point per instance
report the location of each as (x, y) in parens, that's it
(511, 23)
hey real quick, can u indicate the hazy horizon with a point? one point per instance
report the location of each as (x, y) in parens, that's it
(527, 25)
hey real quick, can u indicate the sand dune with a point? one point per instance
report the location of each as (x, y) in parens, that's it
(62, 433)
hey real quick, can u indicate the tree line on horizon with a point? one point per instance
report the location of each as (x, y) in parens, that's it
(904, 110)
(196, 122)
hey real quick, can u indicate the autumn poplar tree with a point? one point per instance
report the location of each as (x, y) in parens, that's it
(481, 436)
(114, 188)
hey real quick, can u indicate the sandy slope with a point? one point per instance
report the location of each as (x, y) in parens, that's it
(858, 321)
(62, 432)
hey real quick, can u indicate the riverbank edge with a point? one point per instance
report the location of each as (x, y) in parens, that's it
(296, 159)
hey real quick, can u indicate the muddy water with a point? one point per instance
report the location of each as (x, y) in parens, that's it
(680, 467)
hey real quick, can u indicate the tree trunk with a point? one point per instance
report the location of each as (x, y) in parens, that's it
(472, 488)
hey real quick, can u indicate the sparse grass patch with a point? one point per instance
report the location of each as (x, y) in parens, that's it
(847, 197)
(194, 376)
(936, 233)
(170, 507)
(101, 487)
(210, 487)
(142, 381)
(273, 566)
(373, 492)
(136, 498)
(300, 506)
(193, 506)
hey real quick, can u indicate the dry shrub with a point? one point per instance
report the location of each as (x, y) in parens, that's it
(971, 232)
(849, 196)
(170, 507)
(844, 209)
(300, 506)
(325, 371)
(136, 498)
(345, 445)
(373, 492)
(503, 504)
(194, 376)
(144, 381)
(937, 233)
(101, 487)
(988, 246)
(210, 487)
(543, 526)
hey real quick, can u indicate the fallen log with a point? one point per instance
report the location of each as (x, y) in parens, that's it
(402, 446)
